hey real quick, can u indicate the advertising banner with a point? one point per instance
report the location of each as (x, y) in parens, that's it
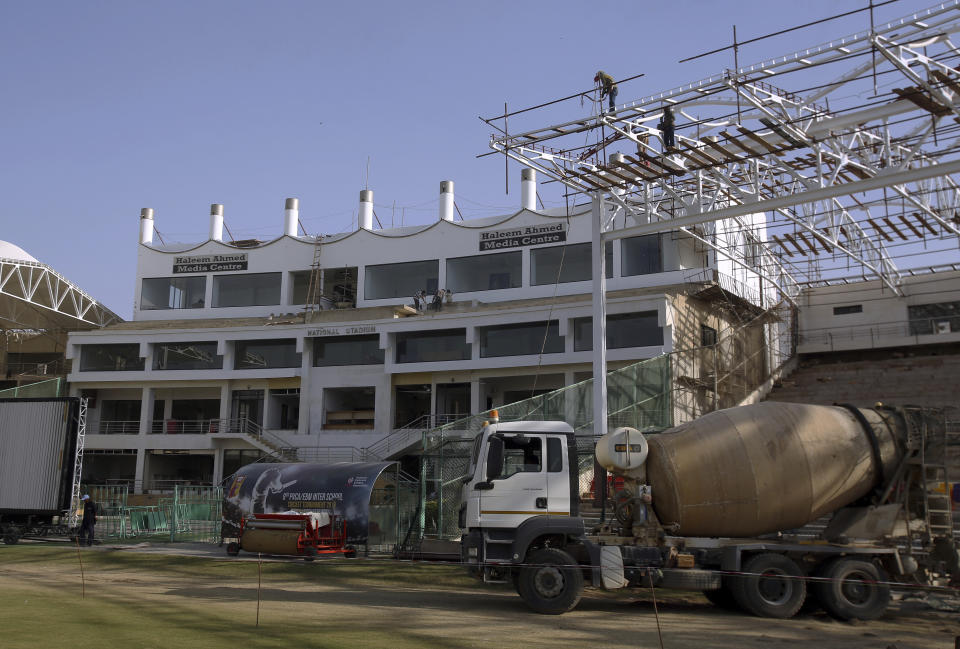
(342, 489)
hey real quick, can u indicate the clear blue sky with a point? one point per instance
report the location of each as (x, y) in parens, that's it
(113, 106)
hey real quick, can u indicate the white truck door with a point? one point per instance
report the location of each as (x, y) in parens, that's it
(558, 476)
(521, 490)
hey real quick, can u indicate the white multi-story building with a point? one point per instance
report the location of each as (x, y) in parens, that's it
(221, 362)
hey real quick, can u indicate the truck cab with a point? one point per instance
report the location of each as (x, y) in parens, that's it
(519, 485)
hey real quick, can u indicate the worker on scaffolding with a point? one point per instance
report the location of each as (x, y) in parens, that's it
(608, 87)
(666, 127)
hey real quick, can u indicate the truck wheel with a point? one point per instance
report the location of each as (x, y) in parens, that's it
(11, 537)
(552, 583)
(854, 590)
(772, 587)
(233, 548)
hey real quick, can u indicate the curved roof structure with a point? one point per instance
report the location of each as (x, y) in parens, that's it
(34, 296)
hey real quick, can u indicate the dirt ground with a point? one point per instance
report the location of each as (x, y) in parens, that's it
(198, 598)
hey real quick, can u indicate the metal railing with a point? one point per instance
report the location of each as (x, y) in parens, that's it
(331, 454)
(119, 427)
(875, 334)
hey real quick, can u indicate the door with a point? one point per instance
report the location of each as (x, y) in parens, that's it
(521, 490)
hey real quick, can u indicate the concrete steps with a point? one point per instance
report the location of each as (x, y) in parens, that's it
(915, 380)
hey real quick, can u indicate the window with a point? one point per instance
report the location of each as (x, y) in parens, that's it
(641, 255)
(844, 310)
(623, 330)
(554, 455)
(708, 336)
(186, 356)
(267, 354)
(521, 454)
(300, 285)
(545, 263)
(485, 272)
(347, 350)
(172, 293)
(400, 280)
(429, 346)
(937, 318)
(520, 339)
(256, 289)
(111, 358)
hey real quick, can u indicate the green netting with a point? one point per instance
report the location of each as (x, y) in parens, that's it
(48, 388)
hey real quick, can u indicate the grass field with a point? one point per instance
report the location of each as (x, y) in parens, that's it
(142, 600)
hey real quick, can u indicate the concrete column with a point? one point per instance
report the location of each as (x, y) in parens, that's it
(217, 466)
(147, 397)
(225, 400)
(475, 405)
(267, 409)
(140, 471)
(306, 374)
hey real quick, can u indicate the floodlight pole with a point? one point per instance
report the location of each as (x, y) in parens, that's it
(598, 265)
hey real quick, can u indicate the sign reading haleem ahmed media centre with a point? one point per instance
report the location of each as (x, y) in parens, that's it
(530, 235)
(210, 263)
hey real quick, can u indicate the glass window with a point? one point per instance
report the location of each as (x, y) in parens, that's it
(521, 339)
(485, 272)
(347, 350)
(640, 255)
(400, 280)
(266, 354)
(545, 263)
(429, 346)
(300, 284)
(172, 293)
(554, 455)
(257, 289)
(937, 318)
(521, 454)
(110, 358)
(845, 310)
(623, 330)
(708, 336)
(186, 356)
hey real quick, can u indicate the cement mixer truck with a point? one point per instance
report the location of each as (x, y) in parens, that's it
(720, 505)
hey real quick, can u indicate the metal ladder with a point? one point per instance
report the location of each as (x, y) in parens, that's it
(315, 287)
(936, 503)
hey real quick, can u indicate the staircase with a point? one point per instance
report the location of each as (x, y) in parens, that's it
(252, 432)
(921, 380)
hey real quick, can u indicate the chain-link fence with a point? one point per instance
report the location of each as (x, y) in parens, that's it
(189, 514)
(47, 388)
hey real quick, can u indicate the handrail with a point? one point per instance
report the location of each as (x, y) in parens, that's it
(913, 327)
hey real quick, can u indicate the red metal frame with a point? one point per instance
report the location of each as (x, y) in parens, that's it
(326, 539)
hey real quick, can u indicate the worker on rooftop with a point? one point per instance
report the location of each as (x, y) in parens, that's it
(608, 87)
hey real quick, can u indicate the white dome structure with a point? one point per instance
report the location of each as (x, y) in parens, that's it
(14, 252)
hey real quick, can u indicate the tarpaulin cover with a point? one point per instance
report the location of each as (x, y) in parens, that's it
(342, 489)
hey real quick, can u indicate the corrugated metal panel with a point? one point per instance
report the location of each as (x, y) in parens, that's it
(32, 438)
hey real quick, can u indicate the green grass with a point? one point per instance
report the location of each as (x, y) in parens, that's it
(157, 601)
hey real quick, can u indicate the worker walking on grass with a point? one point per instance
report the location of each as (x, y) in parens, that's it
(608, 87)
(89, 520)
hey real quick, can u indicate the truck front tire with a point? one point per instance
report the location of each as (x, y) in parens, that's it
(551, 582)
(773, 586)
(854, 590)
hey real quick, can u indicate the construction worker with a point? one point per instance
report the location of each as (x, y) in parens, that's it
(608, 88)
(666, 126)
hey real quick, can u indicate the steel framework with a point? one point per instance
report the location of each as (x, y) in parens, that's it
(37, 296)
(850, 158)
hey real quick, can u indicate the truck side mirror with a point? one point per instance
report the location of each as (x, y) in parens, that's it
(495, 458)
